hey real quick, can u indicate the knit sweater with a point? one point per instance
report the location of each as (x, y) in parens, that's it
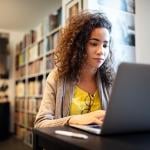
(58, 94)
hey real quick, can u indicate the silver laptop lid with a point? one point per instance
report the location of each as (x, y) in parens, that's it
(129, 106)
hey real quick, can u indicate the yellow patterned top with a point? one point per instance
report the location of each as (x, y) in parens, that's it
(83, 102)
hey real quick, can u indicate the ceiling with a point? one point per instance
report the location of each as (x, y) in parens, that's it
(23, 15)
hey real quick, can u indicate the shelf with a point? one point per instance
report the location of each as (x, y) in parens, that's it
(35, 75)
(37, 96)
(38, 58)
(24, 111)
(21, 79)
(34, 113)
(54, 31)
(22, 65)
(22, 125)
(50, 52)
(20, 97)
(20, 110)
(33, 44)
(42, 38)
(18, 124)
(48, 71)
(32, 62)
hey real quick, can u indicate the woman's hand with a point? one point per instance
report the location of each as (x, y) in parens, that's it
(95, 117)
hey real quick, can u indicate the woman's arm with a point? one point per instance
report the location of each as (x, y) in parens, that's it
(95, 117)
(46, 114)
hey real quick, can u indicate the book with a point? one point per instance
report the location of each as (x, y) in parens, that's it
(53, 21)
(55, 37)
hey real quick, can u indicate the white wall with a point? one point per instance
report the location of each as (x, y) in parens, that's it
(142, 27)
(14, 38)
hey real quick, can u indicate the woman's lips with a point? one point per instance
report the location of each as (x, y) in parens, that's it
(99, 59)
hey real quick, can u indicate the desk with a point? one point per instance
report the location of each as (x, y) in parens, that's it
(47, 139)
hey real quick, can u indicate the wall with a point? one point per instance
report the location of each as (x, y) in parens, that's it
(142, 27)
(14, 37)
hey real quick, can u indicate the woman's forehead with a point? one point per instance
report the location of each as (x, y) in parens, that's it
(100, 33)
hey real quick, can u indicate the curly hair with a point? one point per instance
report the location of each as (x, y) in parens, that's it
(71, 52)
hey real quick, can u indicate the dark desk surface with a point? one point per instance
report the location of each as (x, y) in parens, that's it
(46, 138)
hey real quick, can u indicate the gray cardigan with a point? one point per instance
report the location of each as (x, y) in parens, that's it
(55, 105)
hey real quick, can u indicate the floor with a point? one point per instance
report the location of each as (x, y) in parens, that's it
(14, 144)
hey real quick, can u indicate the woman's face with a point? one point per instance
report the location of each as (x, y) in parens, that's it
(97, 47)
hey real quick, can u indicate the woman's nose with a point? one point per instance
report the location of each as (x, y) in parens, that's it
(100, 50)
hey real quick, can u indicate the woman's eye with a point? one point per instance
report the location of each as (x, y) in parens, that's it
(93, 44)
(105, 45)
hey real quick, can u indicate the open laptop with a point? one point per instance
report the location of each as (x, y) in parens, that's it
(129, 105)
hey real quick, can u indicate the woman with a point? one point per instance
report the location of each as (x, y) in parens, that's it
(77, 90)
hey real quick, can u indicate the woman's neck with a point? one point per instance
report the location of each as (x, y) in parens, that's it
(87, 74)
(87, 80)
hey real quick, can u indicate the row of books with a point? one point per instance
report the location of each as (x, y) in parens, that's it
(37, 50)
(50, 62)
(52, 40)
(25, 120)
(49, 23)
(32, 53)
(28, 39)
(21, 59)
(29, 105)
(20, 72)
(20, 104)
(33, 59)
(35, 88)
(52, 21)
(24, 134)
(20, 131)
(41, 48)
(34, 105)
(20, 89)
(36, 67)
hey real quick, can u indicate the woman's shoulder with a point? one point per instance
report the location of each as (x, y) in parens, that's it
(53, 75)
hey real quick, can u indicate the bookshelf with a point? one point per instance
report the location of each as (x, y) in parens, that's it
(34, 61)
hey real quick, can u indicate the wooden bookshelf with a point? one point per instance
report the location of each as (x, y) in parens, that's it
(34, 60)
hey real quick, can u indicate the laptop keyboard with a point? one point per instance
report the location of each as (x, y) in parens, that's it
(95, 126)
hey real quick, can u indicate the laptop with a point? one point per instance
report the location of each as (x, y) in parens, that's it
(129, 106)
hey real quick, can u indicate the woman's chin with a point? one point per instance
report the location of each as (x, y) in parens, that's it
(98, 65)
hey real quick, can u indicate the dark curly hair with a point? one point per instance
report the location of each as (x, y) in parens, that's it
(71, 52)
